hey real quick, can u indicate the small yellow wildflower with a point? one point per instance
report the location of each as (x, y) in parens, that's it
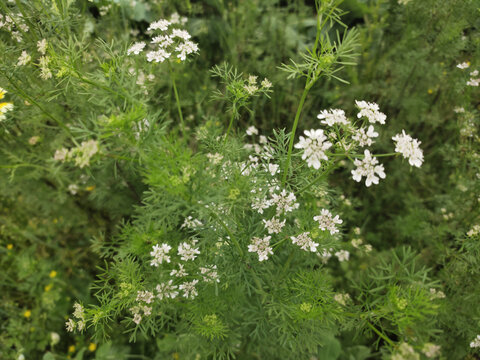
(48, 287)
(90, 188)
(9, 246)
(27, 313)
(175, 356)
(430, 91)
(92, 347)
(71, 348)
(2, 93)
(53, 273)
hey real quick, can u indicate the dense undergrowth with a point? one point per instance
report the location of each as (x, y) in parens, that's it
(254, 179)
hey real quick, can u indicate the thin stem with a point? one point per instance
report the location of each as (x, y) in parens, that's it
(379, 333)
(292, 134)
(27, 97)
(177, 99)
(234, 111)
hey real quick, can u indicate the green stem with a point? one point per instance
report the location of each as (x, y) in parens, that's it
(177, 99)
(379, 333)
(234, 111)
(24, 95)
(292, 134)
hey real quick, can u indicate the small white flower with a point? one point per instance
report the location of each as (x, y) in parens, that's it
(409, 148)
(252, 79)
(266, 83)
(342, 255)
(274, 226)
(54, 338)
(166, 290)
(215, 158)
(333, 116)
(476, 342)
(250, 89)
(326, 221)
(325, 255)
(159, 254)
(371, 111)
(24, 59)
(261, 204)
(145, 296)
(314, 146)
(187, 251)
(42, 46)
(137, 318)
(70, 325)
(73, 189)
(364, 138)
(272, 168)
(463, 65)
(191, 223)
(261, 247)
(342, 298)
(182, 34)
(431, 350)
(163, 41)
(157, 56)
(189, 290)
(136, 48)
(474, 73)
(473, 82)
(459, 110)
(160, 24)
(285, 202)
(180, 272)
(305, 242)
(210, 274)
(252, 130)
(368, 167)
(186, 48)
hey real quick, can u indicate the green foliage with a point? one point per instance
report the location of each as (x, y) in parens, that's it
(106, 156)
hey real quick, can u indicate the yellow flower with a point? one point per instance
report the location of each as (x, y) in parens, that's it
(71, 348)
(9, 246)
(176, 356)
(92, 347)
(90, 188)
(53, 273)
(430, 91)
(48, 287)
(27, 313)
(2, 93)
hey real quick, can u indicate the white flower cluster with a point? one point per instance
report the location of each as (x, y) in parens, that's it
(316, 143)
(305, 242)
(326, 221)
(191, 223)
(79, 314)
(14, 26)
(409, 148)
(369, 168)
(159, 254)
(261, 246)
(81, 154)
(187, 251)
(171, 41)
(474, 79)
(431, 350)
(342, 299)
(333, 116)
(371, 111)
(314, 146)
(476, 342)
(475, 230)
